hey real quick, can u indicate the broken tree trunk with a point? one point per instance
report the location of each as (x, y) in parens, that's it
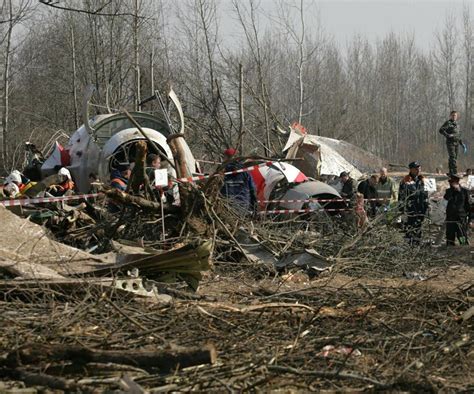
(175, 141)
(164, 360)
(139, 176)
(191, 199)
(150, 141)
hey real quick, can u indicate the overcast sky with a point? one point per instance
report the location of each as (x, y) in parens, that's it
(376, 18)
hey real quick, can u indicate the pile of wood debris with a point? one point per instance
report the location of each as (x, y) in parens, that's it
(293, 303)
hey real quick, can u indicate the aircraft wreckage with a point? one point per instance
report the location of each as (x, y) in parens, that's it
(107, 140)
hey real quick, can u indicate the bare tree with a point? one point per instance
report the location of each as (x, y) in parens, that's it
(15, 14)
(248, 19)
(447, 59)
(468, 42)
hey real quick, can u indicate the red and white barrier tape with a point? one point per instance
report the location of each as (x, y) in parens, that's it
(234, 172)
(308, 210)
(41, 200)
(319, 200)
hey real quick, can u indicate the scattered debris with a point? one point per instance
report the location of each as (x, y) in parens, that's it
(100, 301)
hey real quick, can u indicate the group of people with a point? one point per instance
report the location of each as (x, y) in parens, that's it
(412, 196)
(59, 184)
(458, 211)
(413, 203)
(121, 173)
(379, 190)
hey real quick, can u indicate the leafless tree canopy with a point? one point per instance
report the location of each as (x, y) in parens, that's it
(388, 96)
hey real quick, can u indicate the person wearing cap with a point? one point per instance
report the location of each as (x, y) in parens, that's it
(458, 212)
(348, 186)
(450, 130)
(238, 188)
(413, 200)
(119, 177)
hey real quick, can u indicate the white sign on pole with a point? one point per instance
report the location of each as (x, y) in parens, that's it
(430, 185)
(470, 182)
(161, 177)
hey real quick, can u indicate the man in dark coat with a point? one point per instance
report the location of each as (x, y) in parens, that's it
(238, 188)
(458, 212)
(348, 187)
(450, 130)
(413, 199)
(369, 189)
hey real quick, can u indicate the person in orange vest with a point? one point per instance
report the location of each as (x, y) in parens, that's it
(120, 176)
(119, 180)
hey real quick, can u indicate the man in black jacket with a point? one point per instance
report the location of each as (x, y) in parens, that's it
(458, 212)
(369, 189)
(450, 130)
(413, 200)
(348, 187)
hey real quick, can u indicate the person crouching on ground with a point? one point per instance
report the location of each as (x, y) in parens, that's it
(119, 178)
(458, 212)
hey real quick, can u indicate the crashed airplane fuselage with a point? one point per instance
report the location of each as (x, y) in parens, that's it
(108, 140)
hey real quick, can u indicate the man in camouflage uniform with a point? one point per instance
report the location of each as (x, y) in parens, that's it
(450, 130)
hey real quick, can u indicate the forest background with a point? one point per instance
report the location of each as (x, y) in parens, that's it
(388, 95)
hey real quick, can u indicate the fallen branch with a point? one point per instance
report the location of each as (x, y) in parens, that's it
(125, 198)
(329, 375)
(164, 360)
(252, 308)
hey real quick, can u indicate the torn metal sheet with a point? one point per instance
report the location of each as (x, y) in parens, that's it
(308, 259)
(266, 178)
(174, 98)
(253, 249)
(329, 156)
(311, 189)
(135, 286)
